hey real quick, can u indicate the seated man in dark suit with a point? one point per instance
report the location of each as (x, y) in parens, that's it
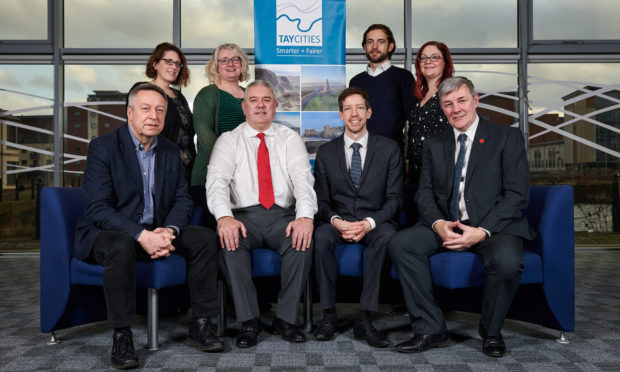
(473, 189)
(138, 208)
(359, 183)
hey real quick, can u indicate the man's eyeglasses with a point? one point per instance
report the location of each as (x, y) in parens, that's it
(433, 58)
(171, 62)
(225, 61)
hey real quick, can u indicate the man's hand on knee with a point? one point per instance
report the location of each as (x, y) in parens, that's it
(228, 231)
(302, 229)
(156, 244)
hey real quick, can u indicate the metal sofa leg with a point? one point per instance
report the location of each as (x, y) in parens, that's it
(308, 305)
(221, 317)
(53, 340)
(152, 316)
(562, 340)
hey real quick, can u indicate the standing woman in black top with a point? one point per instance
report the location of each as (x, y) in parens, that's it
(167, 66)
(433, 64)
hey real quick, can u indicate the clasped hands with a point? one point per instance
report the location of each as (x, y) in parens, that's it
(157, 243)
(300, 230)
(455, 241)
(352, 231)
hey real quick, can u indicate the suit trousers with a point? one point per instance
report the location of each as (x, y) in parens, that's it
(326, 239)
(502, 258)
(266, 229)
(118, 252)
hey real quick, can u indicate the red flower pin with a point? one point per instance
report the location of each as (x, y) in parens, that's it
(481, 140)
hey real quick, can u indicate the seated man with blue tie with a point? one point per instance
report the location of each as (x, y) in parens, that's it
(259, 188)
(359, 185)
(473, 189)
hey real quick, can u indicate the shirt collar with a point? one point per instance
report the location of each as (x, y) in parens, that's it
(381, 68)
(137, 143)
(470, 132)
(362, 141)
(248, 131)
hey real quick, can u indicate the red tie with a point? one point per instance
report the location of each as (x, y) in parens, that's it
(265, 187)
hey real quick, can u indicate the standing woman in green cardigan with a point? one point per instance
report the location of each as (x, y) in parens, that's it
(217, 107)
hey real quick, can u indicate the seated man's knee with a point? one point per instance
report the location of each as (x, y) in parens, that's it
(120, 248)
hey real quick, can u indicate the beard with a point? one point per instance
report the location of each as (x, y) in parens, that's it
(378, 58)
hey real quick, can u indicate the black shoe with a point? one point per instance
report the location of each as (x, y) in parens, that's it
(326, 328)
(202, 336)
(248, 336)
(364, 330)
(289, 332)
(123, 353)
(422, 342)
(492, 346)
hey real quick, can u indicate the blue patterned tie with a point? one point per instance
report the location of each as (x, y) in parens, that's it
(458, 173)
(356, 165)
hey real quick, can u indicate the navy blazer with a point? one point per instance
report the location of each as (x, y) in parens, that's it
(114, 191)
(380, 195)
(496, 182)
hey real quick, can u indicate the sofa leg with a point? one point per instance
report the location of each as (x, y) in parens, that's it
(562, 340)
(221, 317)
(308, 306)
(53, 340)
(152, 316)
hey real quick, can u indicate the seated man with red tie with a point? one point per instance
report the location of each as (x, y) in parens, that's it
(260, 190)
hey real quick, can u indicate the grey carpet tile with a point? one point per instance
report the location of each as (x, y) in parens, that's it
(595, 345)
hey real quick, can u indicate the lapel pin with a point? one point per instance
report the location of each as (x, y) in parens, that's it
(481, 140)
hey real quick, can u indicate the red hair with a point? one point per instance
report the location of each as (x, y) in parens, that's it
(421, 86)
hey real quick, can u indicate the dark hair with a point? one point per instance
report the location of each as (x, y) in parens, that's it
(388, 33)
(157, 54)
(421, 85)
(453, 83)
(352, 91)
(144, 86)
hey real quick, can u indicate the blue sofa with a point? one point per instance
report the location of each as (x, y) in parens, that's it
(71, 289)
(547, 292)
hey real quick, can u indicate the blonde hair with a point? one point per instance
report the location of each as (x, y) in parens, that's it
(211, 67)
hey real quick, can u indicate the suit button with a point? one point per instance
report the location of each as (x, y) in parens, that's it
(139, 215)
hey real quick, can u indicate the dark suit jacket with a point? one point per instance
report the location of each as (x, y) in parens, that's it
(114, 191)
(496, 182)
(380, 195)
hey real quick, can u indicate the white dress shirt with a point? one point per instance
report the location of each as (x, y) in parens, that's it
(232, 179)
(381, 68)
(348, 155)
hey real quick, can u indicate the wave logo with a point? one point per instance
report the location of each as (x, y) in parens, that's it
(299, 24)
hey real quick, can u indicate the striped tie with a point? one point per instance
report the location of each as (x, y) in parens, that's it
(458, 173)
(356, 165)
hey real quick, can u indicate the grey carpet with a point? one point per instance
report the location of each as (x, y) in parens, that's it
(594, 345)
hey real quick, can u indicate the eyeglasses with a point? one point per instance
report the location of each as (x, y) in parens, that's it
(225, 61)
(433, 58)
(171, 62)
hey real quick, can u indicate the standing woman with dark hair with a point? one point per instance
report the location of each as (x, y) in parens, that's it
(433, 64)
(167, 66)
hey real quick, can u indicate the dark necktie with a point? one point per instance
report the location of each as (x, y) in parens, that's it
(265, 187)
(356, 165)
(458, 173)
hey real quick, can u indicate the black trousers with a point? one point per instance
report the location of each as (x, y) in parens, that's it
(118, 252)
(326, 239)
(502, 258)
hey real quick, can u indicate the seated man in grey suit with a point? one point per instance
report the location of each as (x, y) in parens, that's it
(473, 189)
(260, 184)
(359, 181)
(138, 208)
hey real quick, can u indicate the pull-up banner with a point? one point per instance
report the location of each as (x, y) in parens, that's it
(299, 32)
(299, 49)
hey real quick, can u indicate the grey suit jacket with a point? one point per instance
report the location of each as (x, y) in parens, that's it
(496, 182)
(380, 195)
